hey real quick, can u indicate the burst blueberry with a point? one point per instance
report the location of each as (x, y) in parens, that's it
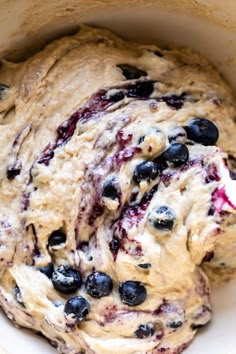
(98, 284)
(144, 331)
(132, 293)
(202, 131)
(66, 280)
(146, 171)
(177, 154)
(76, 309)
(130, 72)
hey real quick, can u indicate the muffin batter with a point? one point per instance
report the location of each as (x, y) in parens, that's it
(114, 190)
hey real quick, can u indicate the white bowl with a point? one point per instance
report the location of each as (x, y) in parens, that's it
(208, 26)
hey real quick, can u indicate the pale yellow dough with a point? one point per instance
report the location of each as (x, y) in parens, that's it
(46, 90)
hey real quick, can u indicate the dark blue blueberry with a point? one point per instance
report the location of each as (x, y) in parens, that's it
(163, 218)
(177, 154)
(13, 172)
(47, 270)
(146, 171)
(56, 238)
(161, 162)
(66, 280)
(144, 331)
(114, 245)
(145, 265)
(132, 293)
(202, 131)
(110, 189)
(77, 308)
(117, 96)
(98, 284)
(130, 72)
(175, 324)
(142, 89)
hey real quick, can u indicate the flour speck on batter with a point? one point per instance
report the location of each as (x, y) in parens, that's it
(116, 186)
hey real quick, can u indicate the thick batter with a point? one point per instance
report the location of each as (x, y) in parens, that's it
(114, 190)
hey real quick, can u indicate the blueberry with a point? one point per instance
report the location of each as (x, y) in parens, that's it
(76, 308)
(18, 297)
(145, 265)
(175, 324)
(114, 245)
(144, 331)
(110, 189)
(56, 238)
(131, 72)
(177, 154)
(98, 284)
(132, 293)
(146, 171)
(141, 89)
(162, 218)
(116, 96)
(66, 280)
(13, 172)
(202, 131)
(197, 326)
(47, 270)
(161, 162)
